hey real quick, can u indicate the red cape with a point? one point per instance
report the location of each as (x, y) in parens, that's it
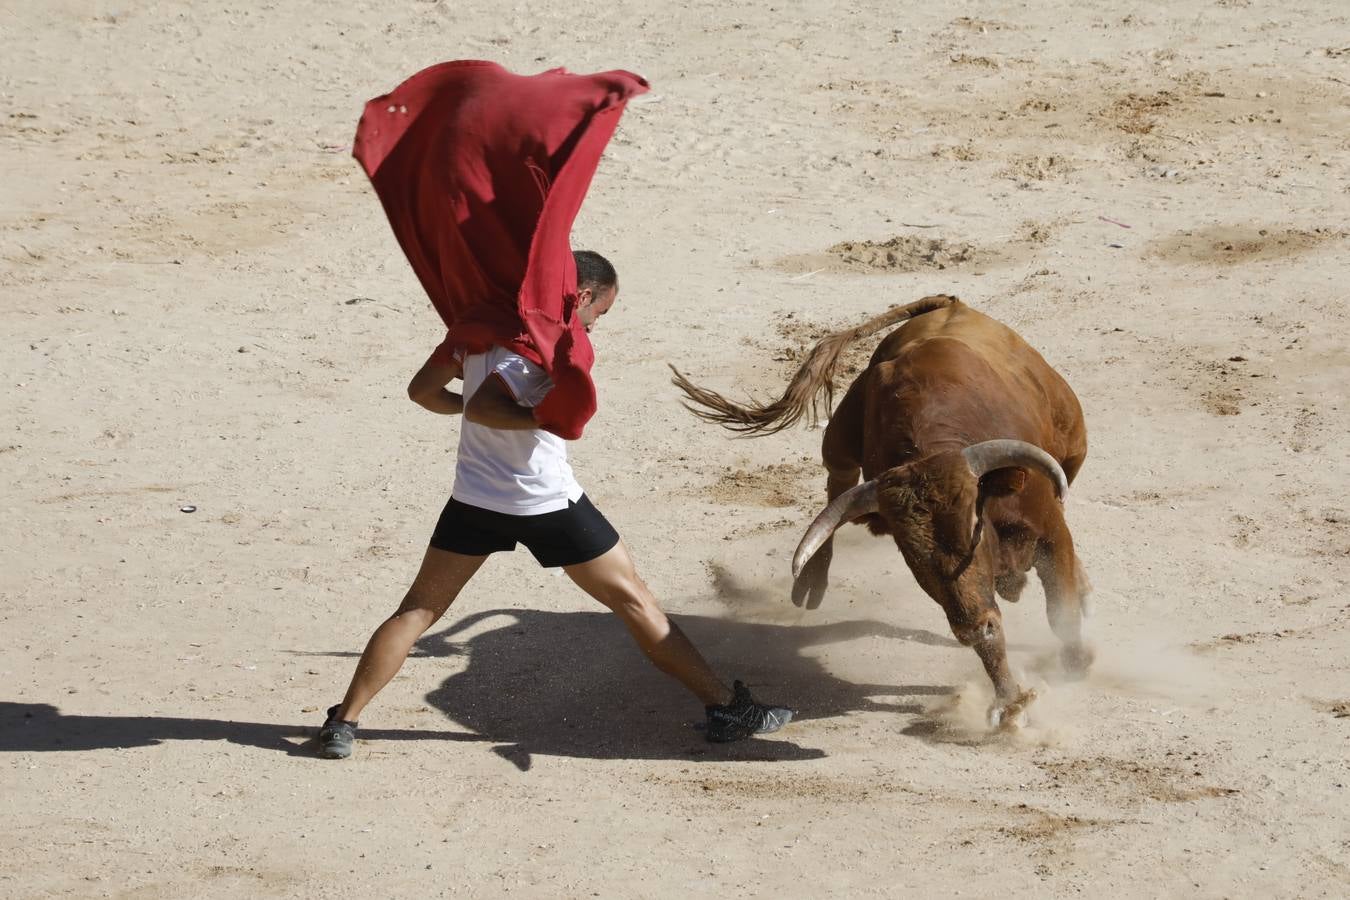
(481, 173)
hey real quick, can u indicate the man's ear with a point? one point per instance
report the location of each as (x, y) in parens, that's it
(1002, 482)
(584, 297)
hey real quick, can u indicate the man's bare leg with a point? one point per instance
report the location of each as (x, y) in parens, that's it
(441, 578)
(613, 580)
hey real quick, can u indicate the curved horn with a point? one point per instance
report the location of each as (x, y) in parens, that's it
(856, 501)
(987, 456)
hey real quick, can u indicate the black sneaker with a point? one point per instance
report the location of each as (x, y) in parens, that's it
(336, 737)
(743, 717)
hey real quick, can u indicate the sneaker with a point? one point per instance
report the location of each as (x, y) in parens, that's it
(336, 737)
(743, 717)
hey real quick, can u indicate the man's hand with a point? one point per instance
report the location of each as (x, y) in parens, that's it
(494, 406)
(427, 388)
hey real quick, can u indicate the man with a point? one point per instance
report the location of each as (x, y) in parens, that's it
(513, 485)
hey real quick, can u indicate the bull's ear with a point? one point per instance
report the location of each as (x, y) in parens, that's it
(1002, 482)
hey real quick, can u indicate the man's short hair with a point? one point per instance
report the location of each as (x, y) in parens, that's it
(593, 270)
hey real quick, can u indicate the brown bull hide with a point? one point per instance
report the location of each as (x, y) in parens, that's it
(950, 379)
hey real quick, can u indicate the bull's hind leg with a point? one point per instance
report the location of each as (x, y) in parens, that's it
(841, 451)
(1066, 590)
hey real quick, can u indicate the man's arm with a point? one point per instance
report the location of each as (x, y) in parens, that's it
(427, 388)
(493, 405)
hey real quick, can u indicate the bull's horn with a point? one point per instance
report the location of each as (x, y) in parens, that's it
(987, 456)
(856, 501)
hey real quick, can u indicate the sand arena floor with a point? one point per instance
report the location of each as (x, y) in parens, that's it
(202, 305)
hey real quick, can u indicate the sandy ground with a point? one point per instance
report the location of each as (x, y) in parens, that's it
(202, 304)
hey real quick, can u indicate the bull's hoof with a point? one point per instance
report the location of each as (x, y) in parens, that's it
(1011, 715)
(1076, 660)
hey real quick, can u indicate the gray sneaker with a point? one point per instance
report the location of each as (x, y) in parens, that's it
(336, 737)
(743, 717)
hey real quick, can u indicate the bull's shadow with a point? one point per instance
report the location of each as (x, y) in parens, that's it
(575, 684)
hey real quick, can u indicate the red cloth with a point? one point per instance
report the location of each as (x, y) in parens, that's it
(481, 173)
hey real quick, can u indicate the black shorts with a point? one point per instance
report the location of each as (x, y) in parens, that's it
(566, 537)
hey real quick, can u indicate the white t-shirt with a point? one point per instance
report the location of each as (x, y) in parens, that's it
(519, 473)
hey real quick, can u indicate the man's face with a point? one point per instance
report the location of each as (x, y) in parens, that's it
(594, 303)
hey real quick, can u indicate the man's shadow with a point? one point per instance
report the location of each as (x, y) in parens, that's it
(41, 727)
(548, 683)
(575, 684)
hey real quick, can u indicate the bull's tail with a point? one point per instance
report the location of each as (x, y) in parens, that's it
(803, 395)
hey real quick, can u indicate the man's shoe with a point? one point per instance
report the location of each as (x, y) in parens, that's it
(743, 717)
(336, 737)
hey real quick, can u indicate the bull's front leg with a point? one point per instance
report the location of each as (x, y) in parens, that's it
(1066, 592)
(1015, 554)
(978, 624)
(809, 586)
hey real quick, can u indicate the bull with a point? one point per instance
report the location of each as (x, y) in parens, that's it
(967, 441)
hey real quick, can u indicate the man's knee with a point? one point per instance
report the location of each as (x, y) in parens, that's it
(422, 605)
(627, 592)
(629, 596)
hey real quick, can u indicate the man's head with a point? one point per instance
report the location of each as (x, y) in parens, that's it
(597, 286)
